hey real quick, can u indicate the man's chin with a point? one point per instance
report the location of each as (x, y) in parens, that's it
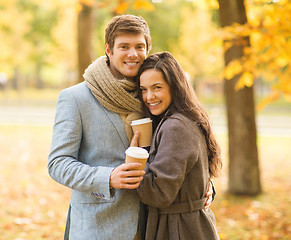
(130, 75)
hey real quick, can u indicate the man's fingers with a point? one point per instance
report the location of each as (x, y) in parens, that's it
(131, 186)
(126, 176)
(129, 166)
(210, 189)
(130, 170)
(209, 192)
(132, 180)
(130, 183)
(208, 203)
(134, 173)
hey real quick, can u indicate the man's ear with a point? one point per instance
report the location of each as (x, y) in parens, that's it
(107, 50)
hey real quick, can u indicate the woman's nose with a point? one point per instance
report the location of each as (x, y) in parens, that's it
(150, 95)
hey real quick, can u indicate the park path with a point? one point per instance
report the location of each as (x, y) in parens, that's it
(22, 115)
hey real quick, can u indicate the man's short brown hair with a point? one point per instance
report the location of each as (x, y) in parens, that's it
(127, 24)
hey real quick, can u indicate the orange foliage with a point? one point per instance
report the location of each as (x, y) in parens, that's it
(120, 8)
(143, 4)
(269, 56)
(87, 2)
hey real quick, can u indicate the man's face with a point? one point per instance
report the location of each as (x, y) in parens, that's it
(128, 53)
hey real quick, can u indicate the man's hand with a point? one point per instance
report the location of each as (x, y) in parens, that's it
(126, 176)
(209, 195)
(134, 140)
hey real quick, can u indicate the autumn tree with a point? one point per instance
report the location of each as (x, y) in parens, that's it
(85, 31)
(27, 39)
(37, 47)
(11, 36)
(244, 174)
(40, 35)
(269, 55)
(197, 32)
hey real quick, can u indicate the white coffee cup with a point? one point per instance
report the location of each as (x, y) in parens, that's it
(137, 155)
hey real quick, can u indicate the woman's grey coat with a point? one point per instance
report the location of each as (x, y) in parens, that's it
(88, 142)
(176, 183)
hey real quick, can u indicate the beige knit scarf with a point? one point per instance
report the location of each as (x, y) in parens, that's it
(117, 95)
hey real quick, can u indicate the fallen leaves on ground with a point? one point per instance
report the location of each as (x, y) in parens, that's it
(33, 206)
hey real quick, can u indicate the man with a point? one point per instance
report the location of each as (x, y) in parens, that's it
(91, 133)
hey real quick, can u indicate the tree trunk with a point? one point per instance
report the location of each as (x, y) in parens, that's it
(244, 174)
(85, 29)
(39, 82)
(16, 78)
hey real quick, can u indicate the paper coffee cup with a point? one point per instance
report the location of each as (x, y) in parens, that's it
(145, 128)
(137, 154)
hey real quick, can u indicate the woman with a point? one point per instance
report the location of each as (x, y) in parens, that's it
(183, 154)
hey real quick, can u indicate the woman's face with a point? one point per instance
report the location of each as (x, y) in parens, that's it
(156, 92)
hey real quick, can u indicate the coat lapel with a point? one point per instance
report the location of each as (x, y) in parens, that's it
(118, 125)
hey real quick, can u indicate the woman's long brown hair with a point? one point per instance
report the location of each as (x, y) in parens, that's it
(185, 101)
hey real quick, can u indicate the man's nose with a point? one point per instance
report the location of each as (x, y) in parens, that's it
(132, 52)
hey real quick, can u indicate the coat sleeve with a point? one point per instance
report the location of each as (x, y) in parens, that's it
(176, 155)
(63, 164)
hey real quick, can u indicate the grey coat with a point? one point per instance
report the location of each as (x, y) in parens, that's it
(175, 183)
(88, 142)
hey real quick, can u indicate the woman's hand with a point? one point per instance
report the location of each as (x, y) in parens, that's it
(134, 140)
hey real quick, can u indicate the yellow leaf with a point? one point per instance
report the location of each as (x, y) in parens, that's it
(282, 61)
(138, 4)
(245, 80)
(247, 50)
(213, 4)
(78, 8)
(239, 85)
(121, 8)
(287, 97)
(273, 97)
(264, 237)
(232, 69)
(87, 2)
(227, 45)
(269, 21)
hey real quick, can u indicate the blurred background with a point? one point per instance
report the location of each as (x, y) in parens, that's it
(237, 54)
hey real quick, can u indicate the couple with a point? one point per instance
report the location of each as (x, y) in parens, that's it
(92, 131)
